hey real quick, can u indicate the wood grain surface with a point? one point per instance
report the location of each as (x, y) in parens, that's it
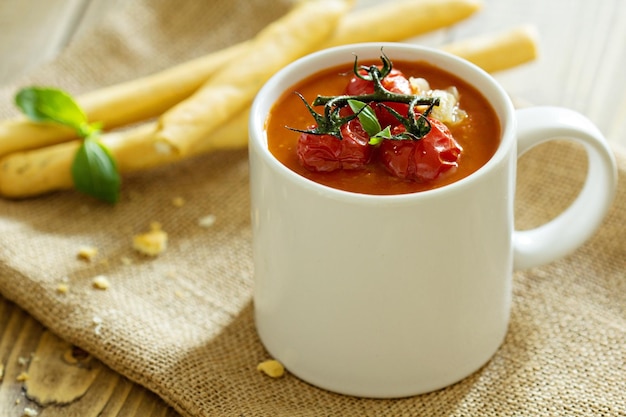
(41, 373)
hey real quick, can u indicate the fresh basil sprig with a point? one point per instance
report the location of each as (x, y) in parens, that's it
(366, 115)
(94, 170)
(370, 122)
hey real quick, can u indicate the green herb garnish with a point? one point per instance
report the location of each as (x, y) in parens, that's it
(94, 170)
(370, 122)
(383, 134)
(366, 115)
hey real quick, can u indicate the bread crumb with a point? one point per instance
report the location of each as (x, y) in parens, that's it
(87, 253)
(178, 201)
(101, 282)
(207, 221)
(22, 361)
(63, 288)
(271, 368)
(152, 243)
(126, 260)
(22, 377)
(30, 412)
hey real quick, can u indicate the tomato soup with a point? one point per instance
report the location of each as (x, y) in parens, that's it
(478, 133)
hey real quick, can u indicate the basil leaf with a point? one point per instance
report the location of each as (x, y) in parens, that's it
(366, 115)
(380, 136)
(94, 171)
(45, 104)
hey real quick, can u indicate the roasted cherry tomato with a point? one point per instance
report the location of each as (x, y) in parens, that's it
(395, 82)
(325, 153)
(421, 160)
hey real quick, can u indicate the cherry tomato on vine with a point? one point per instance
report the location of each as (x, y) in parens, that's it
(326, 153)
(421, 160)
(395, 81)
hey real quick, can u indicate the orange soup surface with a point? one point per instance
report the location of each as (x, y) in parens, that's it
(478, 134)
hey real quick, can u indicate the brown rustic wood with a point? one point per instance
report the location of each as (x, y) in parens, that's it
(62, 381)
(57, 374)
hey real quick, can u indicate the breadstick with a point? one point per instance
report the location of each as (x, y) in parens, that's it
(401, 20)
(501, 51)
(35, 172)
(31, 173)
(148, 97)
(38, 171)
(233, 87)
(120, 104)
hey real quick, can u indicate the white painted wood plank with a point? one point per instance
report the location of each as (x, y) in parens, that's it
(94, 11)
(32, 32)
(582, 56)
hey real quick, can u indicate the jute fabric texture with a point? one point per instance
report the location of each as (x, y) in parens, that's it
(182, 324)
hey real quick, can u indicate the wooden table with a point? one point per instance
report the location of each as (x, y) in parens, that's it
(583, 56)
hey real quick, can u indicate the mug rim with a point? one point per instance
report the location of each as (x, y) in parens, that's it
(466, 70)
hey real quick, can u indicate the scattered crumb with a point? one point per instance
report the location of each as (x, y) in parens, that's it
(101, 282)
(87, 253)
(63, 288)
(178, 201)
(271, 368)
(17, 401)
(126, 260)
(207, 221)
(97, 321)
(179, 294)
(22, 361)
(30, 412)
(152, 243)
(22, 377)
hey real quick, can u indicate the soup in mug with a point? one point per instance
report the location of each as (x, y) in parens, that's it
(367, 141)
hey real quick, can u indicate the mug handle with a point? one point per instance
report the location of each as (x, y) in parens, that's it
(580, 220)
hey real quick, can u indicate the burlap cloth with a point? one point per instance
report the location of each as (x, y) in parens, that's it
(182, 324)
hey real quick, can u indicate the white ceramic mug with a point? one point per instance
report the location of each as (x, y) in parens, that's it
(391, 296)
